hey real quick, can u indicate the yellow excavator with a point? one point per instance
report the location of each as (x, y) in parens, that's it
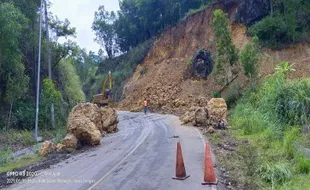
(105, 98)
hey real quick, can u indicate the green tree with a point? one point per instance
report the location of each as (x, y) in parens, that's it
(249, 57)
(71, 84)
(13, 81)
(103, 25)
(226, 52)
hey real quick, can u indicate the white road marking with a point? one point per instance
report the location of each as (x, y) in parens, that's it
(118, 164)
(201, 137)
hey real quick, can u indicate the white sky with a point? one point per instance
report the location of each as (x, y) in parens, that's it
(81, 15)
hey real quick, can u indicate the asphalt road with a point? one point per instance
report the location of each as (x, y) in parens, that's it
(140, 156)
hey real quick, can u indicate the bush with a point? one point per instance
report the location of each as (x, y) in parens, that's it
(293, 103)
(275, 173)
(249, 123)
(288, 142)
(143, 71)
(272, 31)
(233, 93)
(303, 164)
(216, 94)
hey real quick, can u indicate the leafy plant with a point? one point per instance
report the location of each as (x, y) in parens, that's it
(216, 94)
(233, 93)
(249, 58)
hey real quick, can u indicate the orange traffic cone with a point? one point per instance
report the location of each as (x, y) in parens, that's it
(180, 172)
(209, 174)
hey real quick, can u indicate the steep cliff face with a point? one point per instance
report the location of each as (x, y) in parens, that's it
(164, 77)
(247, 12)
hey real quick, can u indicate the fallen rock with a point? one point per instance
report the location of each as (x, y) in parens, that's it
(189, 116)
(217, 110)
(84, 130)
(70, 143)
(178, 102)
(211, 130)
(47, 147)
(201, 116)
(109, 120)
(202, 64)
(60, 147)
(87, 110)
(105, 119)
(198, 116)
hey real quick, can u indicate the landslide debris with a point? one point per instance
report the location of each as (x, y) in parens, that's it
(87, 124)
(212, 116)
(47, 147)
(166, 81)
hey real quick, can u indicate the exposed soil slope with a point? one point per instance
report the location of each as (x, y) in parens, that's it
(167, 80)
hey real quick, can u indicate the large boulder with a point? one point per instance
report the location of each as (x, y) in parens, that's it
(84, 130)
(197, 116)
(217, 109)
(47, 147)
(105, 119)
(109, 120)
(87, 110)
(202, 64)
(70, 143)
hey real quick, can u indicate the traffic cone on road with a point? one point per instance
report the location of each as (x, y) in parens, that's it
(209, 173)
(180, 173)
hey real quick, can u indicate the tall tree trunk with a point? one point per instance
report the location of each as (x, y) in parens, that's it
(49, 61)
(271, 8)
(9, 118)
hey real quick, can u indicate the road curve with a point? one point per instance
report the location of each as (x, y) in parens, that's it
(140, 156)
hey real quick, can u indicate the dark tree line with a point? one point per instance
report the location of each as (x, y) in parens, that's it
(137, 21)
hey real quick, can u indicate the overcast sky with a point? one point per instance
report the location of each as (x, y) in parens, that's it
(81, 15)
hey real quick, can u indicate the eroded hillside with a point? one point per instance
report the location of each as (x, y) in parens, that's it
(164, 77)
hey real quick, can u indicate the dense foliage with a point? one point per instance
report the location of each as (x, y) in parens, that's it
(19, 24)
(287, 23)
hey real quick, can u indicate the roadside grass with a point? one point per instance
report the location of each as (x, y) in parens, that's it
(19, 139)
(20, 162)
(14, 140)
(266, 127)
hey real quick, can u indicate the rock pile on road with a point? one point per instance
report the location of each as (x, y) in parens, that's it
(87, 123)
(213, 115)
(47, 147)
